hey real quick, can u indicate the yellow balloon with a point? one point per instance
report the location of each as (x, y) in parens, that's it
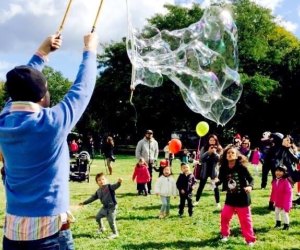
(202, 128)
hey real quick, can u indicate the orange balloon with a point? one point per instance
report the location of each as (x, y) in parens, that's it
(175, 146)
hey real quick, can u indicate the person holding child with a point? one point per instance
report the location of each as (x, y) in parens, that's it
(142, 176)
(185, 184)
(106, 195)
(148, 149)
(281, 195)
(165, 186)
(238, 183)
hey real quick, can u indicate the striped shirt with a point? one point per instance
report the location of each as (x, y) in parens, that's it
(31, 228)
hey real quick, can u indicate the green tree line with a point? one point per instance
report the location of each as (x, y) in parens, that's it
(268, 64)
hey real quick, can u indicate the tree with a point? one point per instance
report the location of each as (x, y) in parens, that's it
(57, 84)
(269, 67)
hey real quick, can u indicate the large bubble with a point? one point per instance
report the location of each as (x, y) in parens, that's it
(202, 60)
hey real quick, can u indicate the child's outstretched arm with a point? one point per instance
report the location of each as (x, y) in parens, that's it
(89, 200)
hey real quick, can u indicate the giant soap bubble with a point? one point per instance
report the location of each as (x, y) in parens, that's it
(202, 60)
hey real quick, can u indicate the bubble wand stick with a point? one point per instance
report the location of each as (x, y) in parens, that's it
(64, 19)
(97, 16)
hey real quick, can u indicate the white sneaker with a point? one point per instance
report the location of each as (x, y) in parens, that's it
(224, 239)
(218, 206)
(113, 236)
(250, 244)
(196, 203)
(101, 230)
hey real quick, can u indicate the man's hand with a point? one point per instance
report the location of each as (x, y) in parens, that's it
(50, 44)
(91, 42)
(120, 180)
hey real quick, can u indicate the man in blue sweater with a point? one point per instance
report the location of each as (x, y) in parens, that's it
(33, 140)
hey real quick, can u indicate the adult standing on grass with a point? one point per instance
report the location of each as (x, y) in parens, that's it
(33, 139)
(108, 152)
(209, 157)
(238, 183)
(147, 148)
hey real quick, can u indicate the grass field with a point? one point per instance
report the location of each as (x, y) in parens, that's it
(140, 228)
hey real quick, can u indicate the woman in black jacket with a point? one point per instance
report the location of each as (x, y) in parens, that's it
(108, 152)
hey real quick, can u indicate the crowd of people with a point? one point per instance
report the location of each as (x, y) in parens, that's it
(227, 168)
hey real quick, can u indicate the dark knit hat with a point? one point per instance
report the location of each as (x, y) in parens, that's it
(282, 168)
(24, 83)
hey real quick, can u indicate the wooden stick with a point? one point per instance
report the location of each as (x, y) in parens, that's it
(64, 18)
(97, 16)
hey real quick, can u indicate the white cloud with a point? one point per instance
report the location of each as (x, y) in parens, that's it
(4, 68)
(270, 4)
(288, 25)
(11, 11)
(26, 23)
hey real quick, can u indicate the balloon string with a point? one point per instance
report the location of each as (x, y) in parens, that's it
(198, 150)
(133, 72)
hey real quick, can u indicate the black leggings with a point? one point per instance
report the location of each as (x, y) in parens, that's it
(201, 187)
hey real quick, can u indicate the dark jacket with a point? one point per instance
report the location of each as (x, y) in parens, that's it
(186, 183)
(234, 181)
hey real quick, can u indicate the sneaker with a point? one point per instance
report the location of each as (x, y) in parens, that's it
(250, 244)
(224, 239)
(196, 203)
(218, 206)
(101, 230)
(113, 236)
(161, 216)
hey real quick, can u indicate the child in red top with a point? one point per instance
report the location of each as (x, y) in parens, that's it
(142, 176)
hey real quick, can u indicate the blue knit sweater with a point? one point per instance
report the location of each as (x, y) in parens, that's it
(34, 145)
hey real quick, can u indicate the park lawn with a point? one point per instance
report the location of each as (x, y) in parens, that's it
(140, 228)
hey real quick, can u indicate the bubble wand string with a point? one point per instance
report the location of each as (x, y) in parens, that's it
(133, 71)
(97, 16)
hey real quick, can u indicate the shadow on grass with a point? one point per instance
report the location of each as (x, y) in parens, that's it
(137, 217)
(185, 245)
(260, 210)
(127, 194)
(81, 235)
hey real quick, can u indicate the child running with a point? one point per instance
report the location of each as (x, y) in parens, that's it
(106, 195)
(165, 186)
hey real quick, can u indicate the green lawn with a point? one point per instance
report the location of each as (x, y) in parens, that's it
(140, 228)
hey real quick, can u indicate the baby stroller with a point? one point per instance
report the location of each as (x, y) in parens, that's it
(80, 167)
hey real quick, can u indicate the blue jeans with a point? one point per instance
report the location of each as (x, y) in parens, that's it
(60, 241)
(48, 243)
(165, 204)
(66, 240)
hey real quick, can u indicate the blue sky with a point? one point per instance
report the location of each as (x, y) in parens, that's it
(24, 25)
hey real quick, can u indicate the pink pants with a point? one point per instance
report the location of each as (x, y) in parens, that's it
(245, 219)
